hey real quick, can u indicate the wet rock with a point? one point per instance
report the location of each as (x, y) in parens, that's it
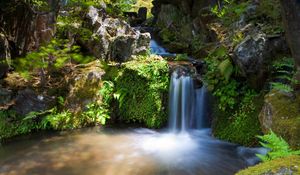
(28, 101)
(281, 114)
(113, 39)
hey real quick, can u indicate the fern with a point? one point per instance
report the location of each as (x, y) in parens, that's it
(277, 145)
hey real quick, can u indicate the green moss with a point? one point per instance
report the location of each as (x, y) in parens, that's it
(141, 88)
(240, 125)
(285, 116)
(272, 167)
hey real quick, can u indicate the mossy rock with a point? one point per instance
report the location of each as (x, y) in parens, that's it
(281, 114)
(282, 166)
(142, 90)
(241, 129)
(84, 85)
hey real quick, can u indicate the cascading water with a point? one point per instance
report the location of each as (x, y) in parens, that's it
(187, 105)
(181, 102)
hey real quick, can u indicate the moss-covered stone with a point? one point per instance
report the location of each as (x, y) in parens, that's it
(281, 166)
(281, 115)
(141, 88)
(84, 85)
(239, 125)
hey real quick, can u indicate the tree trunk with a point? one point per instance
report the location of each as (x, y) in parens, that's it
(291, 21)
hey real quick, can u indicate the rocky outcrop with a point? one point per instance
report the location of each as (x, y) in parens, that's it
(24, 28)
(254, 54)
(28, 101)
(113, 39)
(281, 114)
(84, 86)
(182, 23)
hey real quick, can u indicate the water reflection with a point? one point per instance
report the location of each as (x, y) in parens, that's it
(112, 151)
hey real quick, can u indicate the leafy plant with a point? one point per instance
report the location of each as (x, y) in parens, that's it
(51, 57)
(181, 57)
(230, 11)
(281, 87)
(96, 113)
(277, 145)
(138, 90)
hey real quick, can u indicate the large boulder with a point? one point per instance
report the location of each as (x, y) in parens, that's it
(28, 100)
(281, 114)
(84, 86)
(254, 54)
(112, 38)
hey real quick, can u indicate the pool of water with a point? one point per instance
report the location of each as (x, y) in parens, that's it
(95, 151)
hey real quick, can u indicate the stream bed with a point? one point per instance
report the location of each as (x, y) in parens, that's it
(109, 151)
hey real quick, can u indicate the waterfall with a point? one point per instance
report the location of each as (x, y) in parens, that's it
(187, 107)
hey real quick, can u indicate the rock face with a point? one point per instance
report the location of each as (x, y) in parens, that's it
(28, 100)
(112, 38)
(182, 21)
(24, 28)
(84, 87)
(4, 55)
(253, 55)
(281, 114)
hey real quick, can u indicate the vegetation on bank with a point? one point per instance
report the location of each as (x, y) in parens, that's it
(140, 90)
(287, 165)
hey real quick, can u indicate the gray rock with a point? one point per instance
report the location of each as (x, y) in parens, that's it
(113, 39)
(5, 97)
(28, 101)
(251, 53)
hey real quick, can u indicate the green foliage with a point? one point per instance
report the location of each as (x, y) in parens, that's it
(277, 145)
(12, 125)
(281, 87)
(226, 69)
(218, 79)
(230, 11)
(140, 88)
(283, 69)
(237, 38)
(50, 57)
(181, 57)
(269, 13)
(237, 109)
(243, 118)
